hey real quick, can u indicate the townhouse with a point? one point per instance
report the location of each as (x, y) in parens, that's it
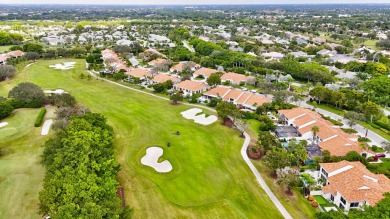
(243, 99)
(329, 137)
(188, 87)
(161, 78)
(204, 72)
(141, 74)
(235, 78)
(349, 185)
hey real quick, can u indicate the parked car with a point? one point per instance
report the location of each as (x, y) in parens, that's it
(377, 156)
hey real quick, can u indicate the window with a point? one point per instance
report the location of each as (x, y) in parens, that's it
(324, 172)
(343, 200)
(332, 197)
(341, 206)
(354, 204)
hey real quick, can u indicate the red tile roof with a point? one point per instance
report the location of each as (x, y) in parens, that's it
(355, 183)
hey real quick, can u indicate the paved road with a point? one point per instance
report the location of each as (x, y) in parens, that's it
(260, 179)
(375, 138)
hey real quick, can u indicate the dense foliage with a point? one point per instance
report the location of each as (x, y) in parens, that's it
(6, 72)
(39, 119)
(27, 95)
(80, 171)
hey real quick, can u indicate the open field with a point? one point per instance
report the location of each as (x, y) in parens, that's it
(4, 48)
(20, 172)
(209, 178)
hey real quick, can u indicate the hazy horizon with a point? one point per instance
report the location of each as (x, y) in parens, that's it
(192, 2)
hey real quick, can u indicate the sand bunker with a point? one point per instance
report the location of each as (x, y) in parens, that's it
(2, 124)
(58, 91)
(151, 160)
(201, 119)
(65, 66)
(46, 127)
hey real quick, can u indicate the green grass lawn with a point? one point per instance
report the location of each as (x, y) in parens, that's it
(5, 48)
(20, 172)
(383, 167)
(209, 177)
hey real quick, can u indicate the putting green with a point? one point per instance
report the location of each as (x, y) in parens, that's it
(209, 178)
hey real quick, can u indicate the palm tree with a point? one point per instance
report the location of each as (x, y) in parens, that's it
(315, 129)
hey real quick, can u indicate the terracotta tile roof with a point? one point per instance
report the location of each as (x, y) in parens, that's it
(2, 58)
(138, 73)
(338, 146)
(243, 97)
(15, 53)
(233, 94)
(206, 72)
(180, 66)
(355, 183)
(191, 85)
(235, 78)
(238, 96)
(256, 99)
(161, 78)
(158, 61)
(293, 113)
(218, 91)
(335, 140)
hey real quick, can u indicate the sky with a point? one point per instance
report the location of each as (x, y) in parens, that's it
(159, 2)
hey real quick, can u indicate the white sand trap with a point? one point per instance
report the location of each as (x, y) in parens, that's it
(58, 91)
(65, 66)
(201, 119)
(151, 160)
(2, 124)
(46, 127)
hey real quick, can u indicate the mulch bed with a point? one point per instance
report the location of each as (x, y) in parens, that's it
(121, 194)
(228, 122)
(254, 153)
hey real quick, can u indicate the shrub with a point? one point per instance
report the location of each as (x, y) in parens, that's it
(27, 95)
(311, 198)
(349, 131)
(5, 109)
(382, 125)
(370, 159)
(40, 116)
(314, 204)
(374, 125)
(363, 139)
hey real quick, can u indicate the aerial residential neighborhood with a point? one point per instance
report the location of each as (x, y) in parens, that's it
(268, 109)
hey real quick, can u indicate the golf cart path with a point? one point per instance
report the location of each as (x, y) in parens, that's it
(260, 179)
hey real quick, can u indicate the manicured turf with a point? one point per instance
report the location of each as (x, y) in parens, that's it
(209, 177)
(4, 48)
(20, 173)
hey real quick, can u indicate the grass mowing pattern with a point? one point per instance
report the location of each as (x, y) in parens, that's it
(209, 179)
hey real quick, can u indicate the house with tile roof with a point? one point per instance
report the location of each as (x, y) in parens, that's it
(243, 99)
(161, 78)
(180, 67)
(349, 185)
(142, 74)
(329, 136)
(188, 87)
(110, 58)
(235, 78)
(205, 72)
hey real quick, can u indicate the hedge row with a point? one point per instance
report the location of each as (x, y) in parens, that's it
(39, 119)
(383, 125)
